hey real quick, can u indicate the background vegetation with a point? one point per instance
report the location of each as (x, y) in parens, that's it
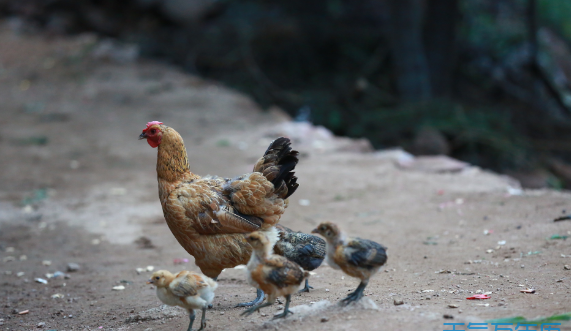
(486, 81)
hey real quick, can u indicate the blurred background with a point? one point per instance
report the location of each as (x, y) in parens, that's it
(483, 81)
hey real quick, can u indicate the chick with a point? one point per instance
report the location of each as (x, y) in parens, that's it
(360, 258)
(304, 249)
(186, 289)
(273, 274)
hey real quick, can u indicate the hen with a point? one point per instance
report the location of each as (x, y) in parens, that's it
(210, 215)
(304, 249)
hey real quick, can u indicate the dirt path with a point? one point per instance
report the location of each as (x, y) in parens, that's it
(69, 150)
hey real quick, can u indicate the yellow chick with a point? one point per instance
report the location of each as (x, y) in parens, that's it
(186, 289)
(273, 274)
(360, 258)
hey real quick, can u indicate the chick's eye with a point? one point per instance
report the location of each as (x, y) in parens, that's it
(157, 277)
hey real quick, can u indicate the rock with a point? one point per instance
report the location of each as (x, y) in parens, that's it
(429, 141)
(324, 319)
(73, 267)
(161, 312)
(398, 302)
(452, 306)
(566, 267)
(41, 324)
(434, 164)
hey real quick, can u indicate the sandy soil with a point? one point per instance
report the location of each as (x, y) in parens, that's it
(78, 187)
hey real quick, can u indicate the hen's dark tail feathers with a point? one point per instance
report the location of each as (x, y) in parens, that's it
(277, 165)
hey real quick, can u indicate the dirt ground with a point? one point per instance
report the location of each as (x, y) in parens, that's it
(78, 187)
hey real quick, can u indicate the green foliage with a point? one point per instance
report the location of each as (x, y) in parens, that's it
(556, 14)
(482, 136)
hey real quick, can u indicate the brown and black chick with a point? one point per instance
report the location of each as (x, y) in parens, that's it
(360, 258)
(304, 249)
(273, 274)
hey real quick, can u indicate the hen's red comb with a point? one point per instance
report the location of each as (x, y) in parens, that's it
(151, 123)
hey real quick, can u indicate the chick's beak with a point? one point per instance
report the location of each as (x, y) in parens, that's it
(150, 281)
(314, 231)
(143, 136)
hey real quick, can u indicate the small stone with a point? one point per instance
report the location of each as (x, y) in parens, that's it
(58, 296)
(46, 262)
(501, 303)
(150, 268)
(324, 319)
(23, 312)
(452, 306)
(95, 242)
(221, 313)
(41, 324)
(566, 267)
(448, 317)
(73, 267)
(326, 290)
(10, 249)
(41, 280)
(398, 302)
(20, 274)
(23, 257)
(118, 288)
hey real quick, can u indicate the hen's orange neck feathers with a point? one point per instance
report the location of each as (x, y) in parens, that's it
(172, 161)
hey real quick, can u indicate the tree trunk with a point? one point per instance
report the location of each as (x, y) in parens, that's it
(411, 68)
(440, 43)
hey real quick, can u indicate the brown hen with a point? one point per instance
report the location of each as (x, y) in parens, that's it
(209, 215)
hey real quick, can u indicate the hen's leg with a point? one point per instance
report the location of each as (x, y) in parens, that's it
(259, 298)
(215, 279)
(286, 308)
(306, 288)
(355, 296)
(192, 316)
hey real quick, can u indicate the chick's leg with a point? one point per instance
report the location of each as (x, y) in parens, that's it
(358, 294)
(203, 319)
(192, 316)
(259, 298)
(306, 288)
(286, 308)
(250, 311)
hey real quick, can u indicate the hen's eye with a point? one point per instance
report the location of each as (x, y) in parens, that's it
(153, 131)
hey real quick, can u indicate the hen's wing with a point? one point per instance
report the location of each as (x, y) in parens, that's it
(186, 284)
(282, 272)
(202, 205)
(365, 253)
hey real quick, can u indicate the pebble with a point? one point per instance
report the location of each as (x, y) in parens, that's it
(398, 302)
(73, 267)
(324, 319)
(23, 312)
(41, 324)
(448, 317)
(46, 262)
(566, 267)
(41, 280)
(58, 296)
(118, 288)
(20, 274)
(304, 202)
(452, 306)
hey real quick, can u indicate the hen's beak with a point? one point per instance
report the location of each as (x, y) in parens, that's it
(314, 231)
(143, 136)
